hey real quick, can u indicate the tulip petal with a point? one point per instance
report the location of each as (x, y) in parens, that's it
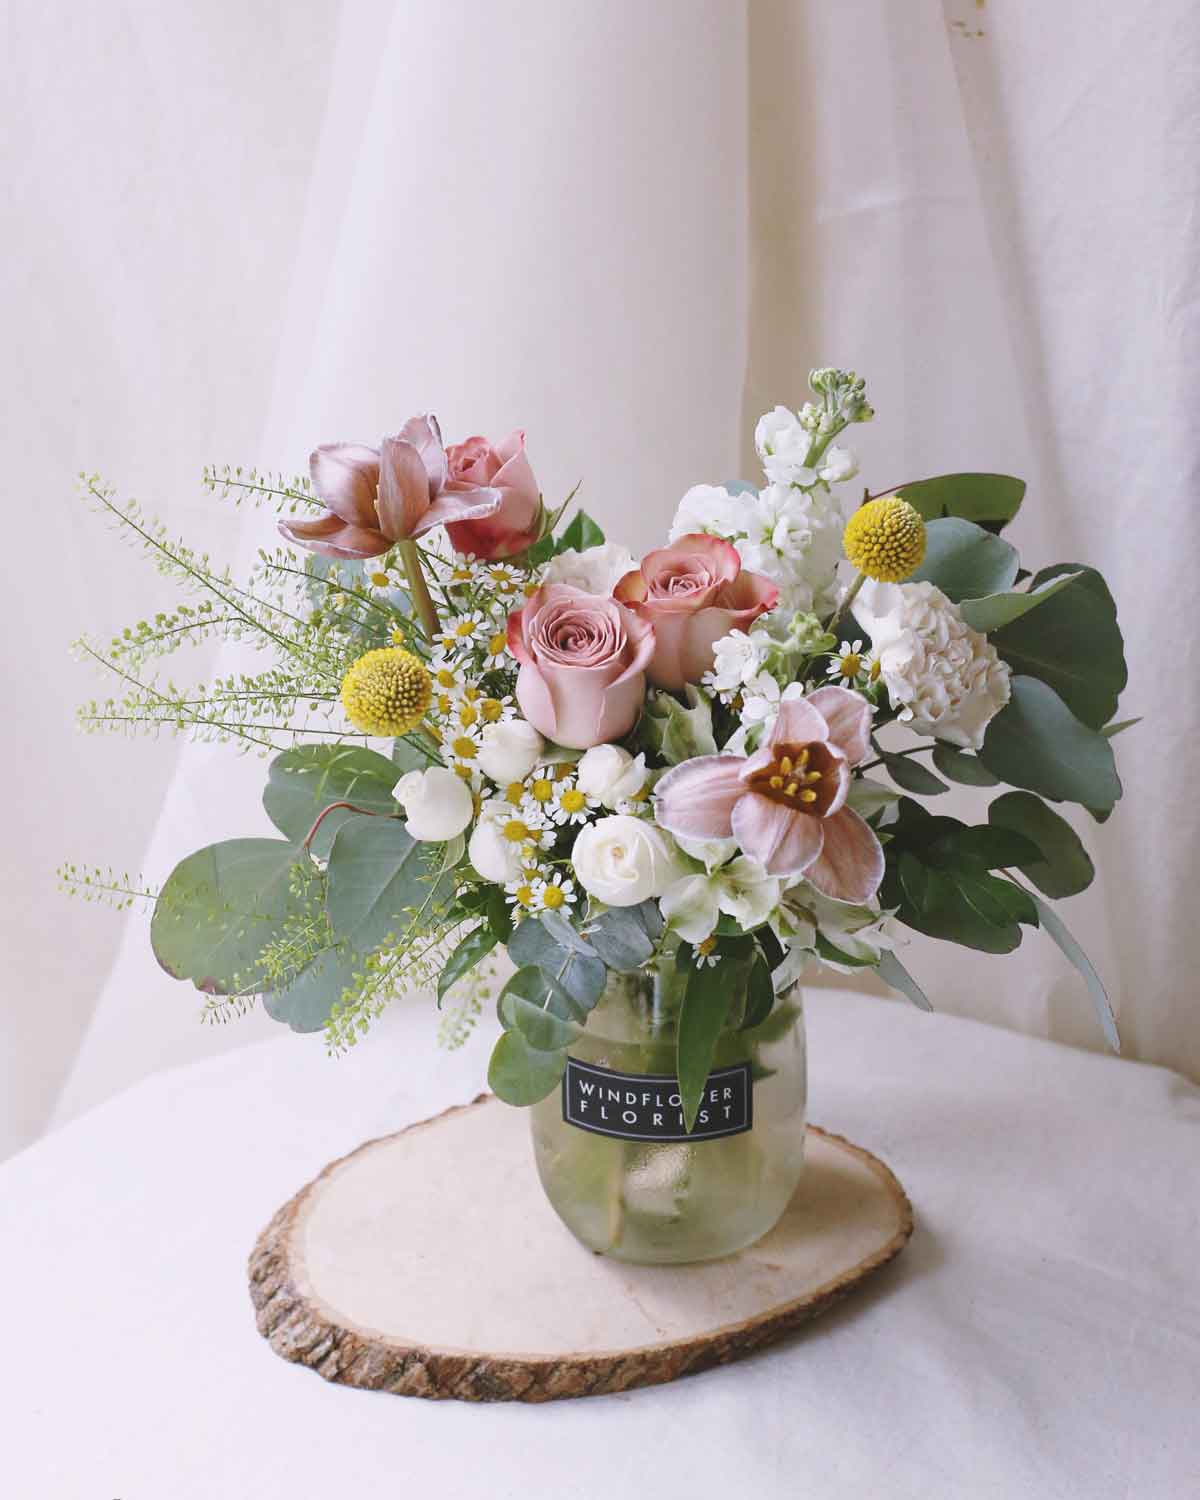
(333, 537)
(696, 800)
(346, 477)
(403, 489)
(785, 842)
(799, 724)
(850, 865)
(849, 718)
(453, 505)
(425, 435)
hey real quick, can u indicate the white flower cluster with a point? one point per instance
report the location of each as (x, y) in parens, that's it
(944, 678)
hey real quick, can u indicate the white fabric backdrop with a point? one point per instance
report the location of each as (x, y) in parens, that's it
(628, 229)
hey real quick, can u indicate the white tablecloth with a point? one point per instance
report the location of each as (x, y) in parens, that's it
(1040, 1336)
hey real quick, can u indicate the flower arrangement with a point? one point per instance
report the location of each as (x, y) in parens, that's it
(490, 727)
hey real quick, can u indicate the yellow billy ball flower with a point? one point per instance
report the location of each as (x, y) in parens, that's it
(885, 539)
(387, 692)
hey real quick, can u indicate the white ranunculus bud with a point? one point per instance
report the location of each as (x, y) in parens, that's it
(494, 857)
(508, 752)
(596, 570)
(437, 804)
(624, 860)
(610, 774)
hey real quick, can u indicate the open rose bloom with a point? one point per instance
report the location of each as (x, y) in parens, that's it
(693, 592)
(785, 805)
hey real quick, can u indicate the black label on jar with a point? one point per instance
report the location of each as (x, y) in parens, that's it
(647, 1106)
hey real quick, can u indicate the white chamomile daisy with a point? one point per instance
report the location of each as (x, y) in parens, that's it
(520, 893)
(496, 653)
(705, 953)
(460, 745)
(502, 580)
(462, 570)
(379, 577)
(460, 631)
(553, 894)
(570, 805)
(846, 664)
(497, 710)
(539, 789)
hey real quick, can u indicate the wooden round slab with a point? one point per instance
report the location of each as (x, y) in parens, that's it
(429, 1263)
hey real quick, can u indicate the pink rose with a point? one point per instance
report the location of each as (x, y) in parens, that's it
(693, 592)
(476, 465)
(583, 665)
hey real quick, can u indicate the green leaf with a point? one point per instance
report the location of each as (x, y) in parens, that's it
(994, 610)
(893, 973)
(868, 797)
(1118, 727)
(625, 936)
(989, 499)
(1054, 926)
(957, 765)
(498, 915)
(834, 955)
(1062, 866)
(306, 1002)
(964, 560)
(520, 1074)
(677, 733)
(473, 948)
(381, 882)
(531, 1004)
(936, 902)
(1036, 742)
(760, 1000)
(577, 971)
(981, 846)
(581, 534)
(302, 781)
(702, 1017)
(913, 778)
(221, 906)
(1072, 643)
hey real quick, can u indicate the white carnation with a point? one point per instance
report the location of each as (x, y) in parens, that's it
(783, 446)
(710, 508)
(944, 678)
(597, 570)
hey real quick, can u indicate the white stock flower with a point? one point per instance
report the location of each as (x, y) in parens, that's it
(711, 508)
(437, 803)
(794, 538)
(783, 446)
(610, 775)
(737, 660)
(509, 751)
(741, 889)
(597, 570)
(623, 860)
(836, 465)
(944, 678)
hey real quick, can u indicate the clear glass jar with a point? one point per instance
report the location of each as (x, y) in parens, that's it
(651, 1201)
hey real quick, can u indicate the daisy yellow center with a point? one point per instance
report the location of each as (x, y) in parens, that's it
(464, 747)
(491, 709)
(464, 628)
(850, 664)
(467, 715)
(707, 946)
(572, 800)
(497, 643)
(524, 894)
(885, 539)
(516, 831)
(387, 692)
(553, 897)
(542, 790)
(445, 678)
(379, 580)
(514, 793)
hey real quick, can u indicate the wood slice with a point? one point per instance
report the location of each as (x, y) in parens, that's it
(429, 1263)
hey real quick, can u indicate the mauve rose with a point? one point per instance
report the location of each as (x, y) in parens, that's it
(693, 593)
(515, 525)
(583, 661)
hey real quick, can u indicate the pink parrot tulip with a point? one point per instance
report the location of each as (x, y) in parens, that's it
(785, 804)
(376, 497)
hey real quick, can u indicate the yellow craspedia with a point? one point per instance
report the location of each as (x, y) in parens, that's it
(885, 539)
(387, 692)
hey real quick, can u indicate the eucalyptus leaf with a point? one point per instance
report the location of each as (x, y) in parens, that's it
(913, 778)
(702, 1017)
(221, 906)
(989, 499)
(529, 1003)
(578, 972)
(964, 560)
(381, 882)
(957, 765)
(1062, 866)
(621, 938)
(1054, 926)
(1037, 743)
(471, 950)
(994, 610)
(893, 973)
(303, 781)
(520, 1074)
(1072, 643)
(306, 1003)
(740, 487)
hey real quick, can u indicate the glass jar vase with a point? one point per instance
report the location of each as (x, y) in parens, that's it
(611, 1149)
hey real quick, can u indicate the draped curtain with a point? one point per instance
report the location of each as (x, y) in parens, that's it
(628, 229)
